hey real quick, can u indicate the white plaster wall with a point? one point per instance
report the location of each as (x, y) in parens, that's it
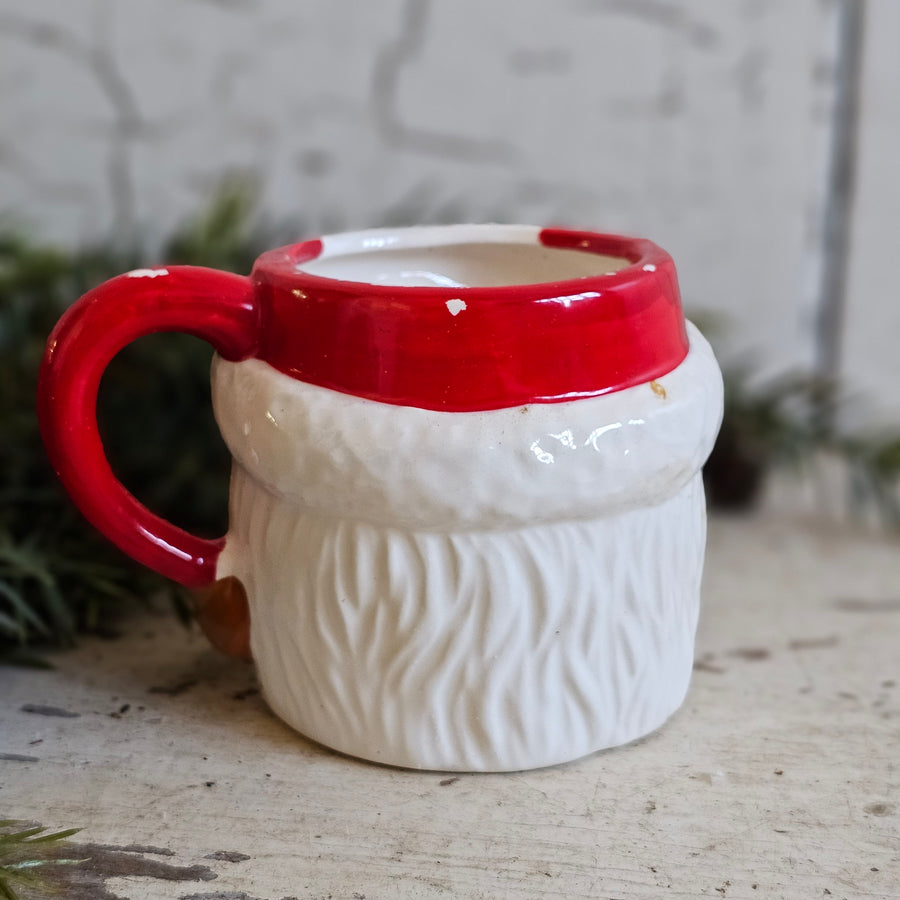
(699, 123)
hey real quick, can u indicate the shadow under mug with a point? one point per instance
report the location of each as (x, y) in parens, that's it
(466, 516)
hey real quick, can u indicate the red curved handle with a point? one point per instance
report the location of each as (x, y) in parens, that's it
(216, 306)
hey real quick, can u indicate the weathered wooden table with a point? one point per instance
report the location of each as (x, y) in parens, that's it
(780, 777)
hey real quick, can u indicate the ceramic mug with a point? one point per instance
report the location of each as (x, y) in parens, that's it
(466, 511)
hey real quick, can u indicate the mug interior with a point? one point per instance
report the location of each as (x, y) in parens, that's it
(465, 265)
(461, 256)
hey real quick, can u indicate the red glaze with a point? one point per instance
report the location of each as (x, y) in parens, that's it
(215, 306)
(509, 346)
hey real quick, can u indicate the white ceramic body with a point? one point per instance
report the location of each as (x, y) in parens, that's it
(478, 591)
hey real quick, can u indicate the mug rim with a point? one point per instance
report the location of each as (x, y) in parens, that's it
(643, 256)
(467, 349)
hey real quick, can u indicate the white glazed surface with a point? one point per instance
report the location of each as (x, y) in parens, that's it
(470, 591)
(345, 457)
(453, 256)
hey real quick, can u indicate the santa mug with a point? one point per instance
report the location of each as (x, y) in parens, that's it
(467, 521)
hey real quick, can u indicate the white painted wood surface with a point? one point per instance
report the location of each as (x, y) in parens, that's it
(778, 779)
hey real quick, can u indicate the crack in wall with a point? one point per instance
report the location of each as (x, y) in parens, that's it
(127, 122)
(839, 189)
(749, 73)
(390, 63)
(656, 12)
(231, 68)
(97, 59)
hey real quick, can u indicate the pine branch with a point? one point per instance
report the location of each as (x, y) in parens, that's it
(58, 577)
(27, 859)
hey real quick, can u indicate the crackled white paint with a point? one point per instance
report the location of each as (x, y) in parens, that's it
(698, 124)
(702, 125)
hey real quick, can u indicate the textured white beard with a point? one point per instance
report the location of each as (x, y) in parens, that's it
(476, 651)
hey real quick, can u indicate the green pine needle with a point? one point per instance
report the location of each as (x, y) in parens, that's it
(27, 858)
